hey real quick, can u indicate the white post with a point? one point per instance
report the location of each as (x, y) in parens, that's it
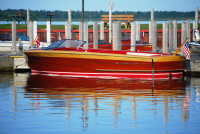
(28, 19)
(152, 14)
(183, 34)
(114, 35)
(165, 38)
(35, 29)
(188, 30)
(196, 17)
(175, 35)
(170, 36)
(69, 15)
(111, 5)
(102, 30)
(31, 32)
(138, 31)
(194, 28)
(68, 30)
(118, 36)
(69, 33)
(95, 35)
(150, 32)
(86, 35)
(154, 36)
(80, 31)
(133, 36)
(13, 37)
(48, 32)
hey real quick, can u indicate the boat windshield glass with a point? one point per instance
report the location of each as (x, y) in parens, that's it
(22, 37)
(66, 43)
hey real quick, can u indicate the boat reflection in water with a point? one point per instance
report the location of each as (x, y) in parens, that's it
(94, 87)
(104, 98)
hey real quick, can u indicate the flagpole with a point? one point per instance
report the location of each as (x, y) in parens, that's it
(34, 41)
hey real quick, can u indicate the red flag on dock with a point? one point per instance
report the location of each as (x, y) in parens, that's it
(186, 50)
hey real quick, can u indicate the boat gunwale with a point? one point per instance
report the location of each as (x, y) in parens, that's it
(85, 52)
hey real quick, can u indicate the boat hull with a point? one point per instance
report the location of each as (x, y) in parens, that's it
(95, 64)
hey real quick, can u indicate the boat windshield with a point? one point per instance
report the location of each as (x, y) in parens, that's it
(22, 37)
(67, 43)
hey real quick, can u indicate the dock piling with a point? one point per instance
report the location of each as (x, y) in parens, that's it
(95, 35)
(35, 29)
(86, 35)
(170, 36)
(118, 36)
(150, 32)
(31, 32)
(102, 30)
(69, 15)
(188, 30)
(28, 20)
(183, 34)
(80, 31)
(152, 14)
(13, 37)
(114, 35)
(175, 35)
(137, 31)
(165, 38)
(154, 39)
(133, 36)
(111, 5)
(48, 32)
(68, 30)
(196, 17)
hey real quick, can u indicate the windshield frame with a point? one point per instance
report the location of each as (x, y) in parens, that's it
(65, 43)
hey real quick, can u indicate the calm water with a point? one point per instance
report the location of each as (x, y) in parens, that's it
(58, 104)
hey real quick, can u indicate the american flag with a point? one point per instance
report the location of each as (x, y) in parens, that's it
(38, 42)
(186, 50)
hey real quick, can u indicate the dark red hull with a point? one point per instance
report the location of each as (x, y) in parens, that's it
(95, 64)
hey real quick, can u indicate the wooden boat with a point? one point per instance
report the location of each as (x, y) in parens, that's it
(66, 57)
(126, 45)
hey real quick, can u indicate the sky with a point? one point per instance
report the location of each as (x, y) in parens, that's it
(98, 5)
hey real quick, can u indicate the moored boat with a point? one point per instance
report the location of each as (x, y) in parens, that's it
(195, 45)
(67, 57)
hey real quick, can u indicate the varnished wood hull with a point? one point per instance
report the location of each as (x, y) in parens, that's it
(97, 64)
